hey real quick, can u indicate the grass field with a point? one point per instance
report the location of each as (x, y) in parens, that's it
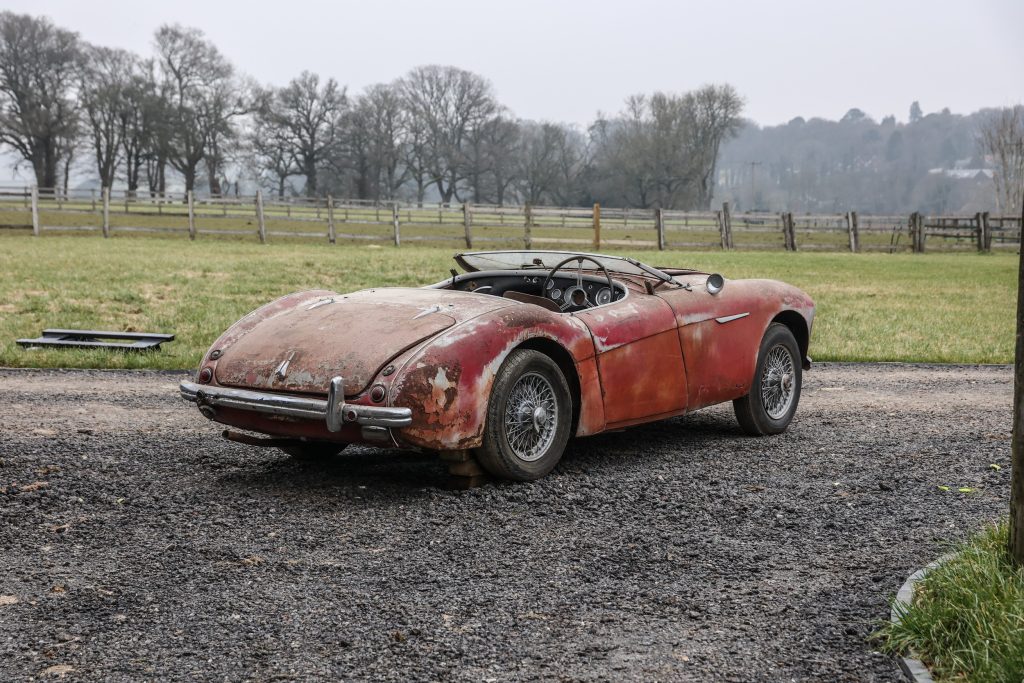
(956, 308)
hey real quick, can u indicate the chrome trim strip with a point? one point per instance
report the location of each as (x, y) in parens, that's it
(334, 411)
(730, 318)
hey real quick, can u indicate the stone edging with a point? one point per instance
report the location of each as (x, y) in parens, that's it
(912, 667)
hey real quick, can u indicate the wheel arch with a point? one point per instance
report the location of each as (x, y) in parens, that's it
(798, 326)
(564, 360)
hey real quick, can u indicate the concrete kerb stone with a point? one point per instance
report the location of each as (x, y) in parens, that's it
(914, 669)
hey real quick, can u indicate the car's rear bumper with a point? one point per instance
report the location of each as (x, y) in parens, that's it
(333, 411)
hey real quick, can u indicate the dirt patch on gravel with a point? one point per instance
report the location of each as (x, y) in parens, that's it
(138, 544)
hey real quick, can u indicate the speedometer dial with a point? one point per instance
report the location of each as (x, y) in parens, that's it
(604, 296)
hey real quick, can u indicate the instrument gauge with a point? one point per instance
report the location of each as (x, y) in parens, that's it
(556, 293)
(604, 296)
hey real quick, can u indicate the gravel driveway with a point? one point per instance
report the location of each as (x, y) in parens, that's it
(137, 544)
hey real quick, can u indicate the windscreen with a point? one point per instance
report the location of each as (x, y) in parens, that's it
(518, 260)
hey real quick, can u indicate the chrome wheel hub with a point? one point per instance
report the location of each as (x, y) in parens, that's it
(531, 417)
(778, 379)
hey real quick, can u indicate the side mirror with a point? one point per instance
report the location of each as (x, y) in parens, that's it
(715, 283)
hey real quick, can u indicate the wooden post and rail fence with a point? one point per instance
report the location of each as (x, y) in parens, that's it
(116, 212)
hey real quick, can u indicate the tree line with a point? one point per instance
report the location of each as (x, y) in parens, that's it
(186, 116)
(937, 163)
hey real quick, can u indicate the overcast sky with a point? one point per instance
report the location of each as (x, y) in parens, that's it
(564, 61)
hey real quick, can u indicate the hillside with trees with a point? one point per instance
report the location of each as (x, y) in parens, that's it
(936, 163)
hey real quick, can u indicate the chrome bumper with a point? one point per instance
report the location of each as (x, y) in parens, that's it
(334, 411)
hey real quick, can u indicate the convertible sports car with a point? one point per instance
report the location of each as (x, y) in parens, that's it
(497, 367)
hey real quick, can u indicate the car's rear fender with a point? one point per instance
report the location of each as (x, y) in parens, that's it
(447, 381)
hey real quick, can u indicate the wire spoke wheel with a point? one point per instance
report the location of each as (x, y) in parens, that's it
(775, 389)
(531, 416)
(777, 381)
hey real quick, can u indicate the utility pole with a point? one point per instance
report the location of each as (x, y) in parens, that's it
(1017, 445)
(753, 185)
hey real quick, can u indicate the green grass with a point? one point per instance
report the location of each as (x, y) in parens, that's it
(956, 308)
(967, 619)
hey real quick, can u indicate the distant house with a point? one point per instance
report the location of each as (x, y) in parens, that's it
(977, 174)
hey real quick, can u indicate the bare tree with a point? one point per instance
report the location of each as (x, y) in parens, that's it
(489, 157)
(38, 73)
(623, 160)
(571, 157)
(107, 79)
(380, 110)
(538, 169)
(416, 152)
(309, 117)
(370, 150)
(141, 123)
(716, 113)
(273, 156)
(663, 150)
(445, 107)
(202, 100)
(1001, 137)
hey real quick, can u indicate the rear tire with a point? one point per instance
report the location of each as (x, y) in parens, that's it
(314, 450)
(529, 418)
(775, 389)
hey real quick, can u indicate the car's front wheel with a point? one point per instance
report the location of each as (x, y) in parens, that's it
(775, 391)
(529, 418)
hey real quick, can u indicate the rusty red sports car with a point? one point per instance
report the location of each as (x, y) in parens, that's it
(498, 366)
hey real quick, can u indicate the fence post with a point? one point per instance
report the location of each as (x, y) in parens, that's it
(792, 230)
(785, 231)
(984, 232)
(528, 228)
(851, 229)
(727, 220)
(394, 222)
(35, 211)
(190, 201)
(722, 233)
(259, 217)
(106, 212)
(467, 222)
(331, 235)
(659, 225)
(597, 226)
(921, 235)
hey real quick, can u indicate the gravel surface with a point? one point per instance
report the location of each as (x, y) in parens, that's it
(137, 544)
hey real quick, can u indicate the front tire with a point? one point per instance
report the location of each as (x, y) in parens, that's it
(775, 390)
(529, 418)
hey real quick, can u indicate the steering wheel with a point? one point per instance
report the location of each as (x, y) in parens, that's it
(577, 296)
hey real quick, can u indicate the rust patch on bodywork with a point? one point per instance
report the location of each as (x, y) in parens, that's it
(448, 382)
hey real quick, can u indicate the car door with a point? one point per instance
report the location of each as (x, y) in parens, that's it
(719, 335)
(639, 359)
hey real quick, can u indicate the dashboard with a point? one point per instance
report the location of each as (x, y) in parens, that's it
(569, 292)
